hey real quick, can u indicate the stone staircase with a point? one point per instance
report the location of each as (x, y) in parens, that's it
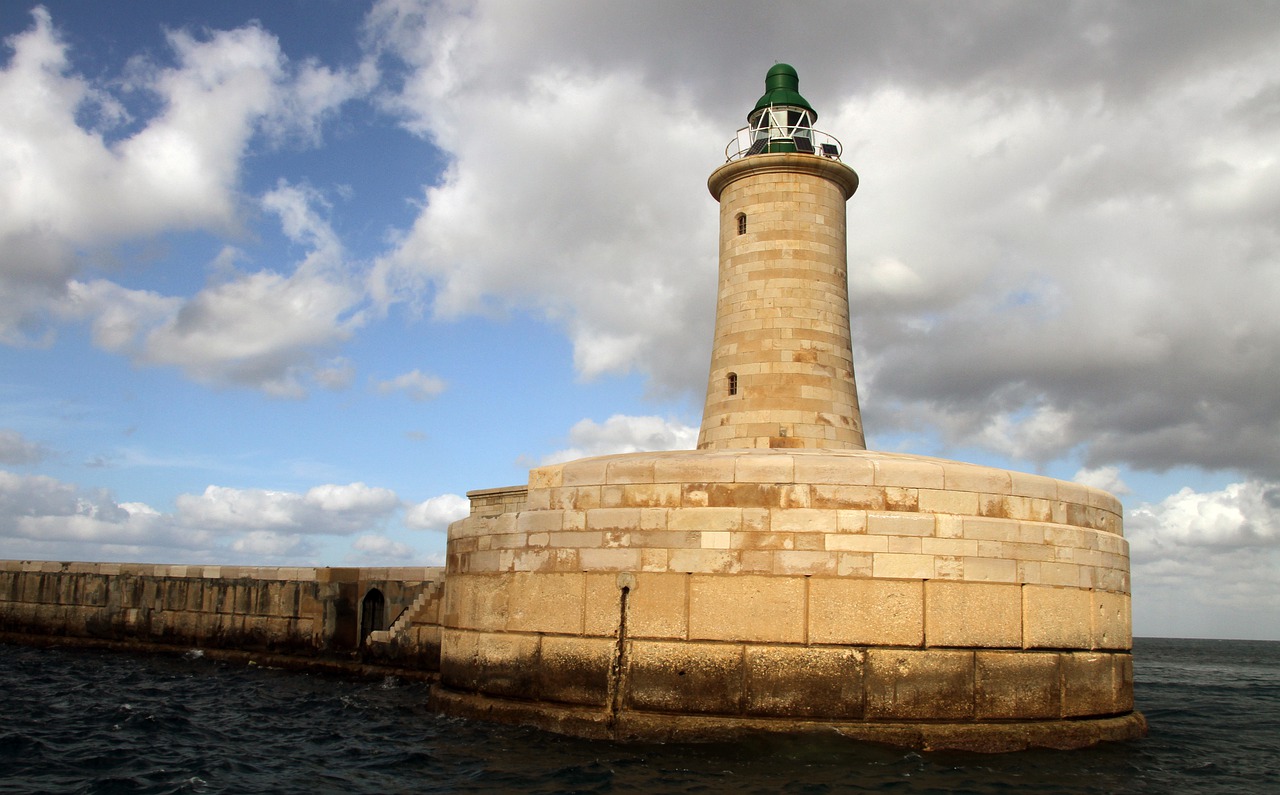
(432, 593)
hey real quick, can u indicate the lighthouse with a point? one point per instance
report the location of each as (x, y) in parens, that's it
(781, 577)
(782, 359)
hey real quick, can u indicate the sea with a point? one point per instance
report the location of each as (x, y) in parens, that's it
(94, 721)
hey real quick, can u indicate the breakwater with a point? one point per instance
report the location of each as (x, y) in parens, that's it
(380, 615)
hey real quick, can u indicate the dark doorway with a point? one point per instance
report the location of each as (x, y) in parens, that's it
(373, 613)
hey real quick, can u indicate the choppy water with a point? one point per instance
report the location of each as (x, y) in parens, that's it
(76, 721)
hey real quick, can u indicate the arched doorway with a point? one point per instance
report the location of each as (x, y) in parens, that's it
(373, 613)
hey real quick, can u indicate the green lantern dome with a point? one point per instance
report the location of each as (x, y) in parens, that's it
(782, 87)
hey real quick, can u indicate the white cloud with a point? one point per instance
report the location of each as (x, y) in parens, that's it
(1106, 478)
(1206, 551)
(1019, 247)
(572, 193)
(417, 385)
(270, 544)
(42, 517)
(322, 510)
(437, 513)
(66, 188)
(381, 550)
(624, 434)
(261, 330)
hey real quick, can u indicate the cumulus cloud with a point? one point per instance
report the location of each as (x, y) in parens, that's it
(322, 510)
(16, 449)
(624, 434)
(68, 188)
(572, 193)
(1216, 549)
(1106, 478)
(416, 384)
(41, 516)
(437, 512)
(41, 510)
(262, 329)
(1028, 273)
(380, 550)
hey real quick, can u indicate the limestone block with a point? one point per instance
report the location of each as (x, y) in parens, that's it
(585, 472)
(1111, 627)
(908, 544)
(610, 559)
(702, 468)
(1038, 486)
(544, 602)
(1016, 685)
(645, 495)
(540, 521)
(545, 477)
(802, 520)
(703, 519)
(1056, 618)
(658, 606)
(764, 469)
(909, 472)
(575, 670)
(851, 521)
(704, 561)
(908, 684)
(602, 604)
(1059, 574)
(899, 524)
(717, 539)
(857, 543)
(613, 519)
(629, 469)
(866, 612)
(794, 563)
(762, 541)
(968, 477)
(984, 529)
(854, 564)
(475, 602)
(507, 664)
(848, 497)
(747, 608)
(830, 469)
(1090, 684)
(954, 502)
(684, 677)
(973, 614)
(902, 566)
(956, 547)
(805, 682)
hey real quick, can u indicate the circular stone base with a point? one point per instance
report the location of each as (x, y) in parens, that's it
(633, 726)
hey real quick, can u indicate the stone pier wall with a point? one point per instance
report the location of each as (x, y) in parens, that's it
(292, 611)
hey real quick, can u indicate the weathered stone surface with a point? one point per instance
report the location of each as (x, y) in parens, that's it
(575, 670)
(804, 682)
(867, 612)
(905, 684)
(1016, 685)
(972, 614)
(684, 677)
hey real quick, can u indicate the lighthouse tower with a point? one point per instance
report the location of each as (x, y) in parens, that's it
(782, 362)
(782, 577)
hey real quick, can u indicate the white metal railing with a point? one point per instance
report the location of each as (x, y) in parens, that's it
(755, 141)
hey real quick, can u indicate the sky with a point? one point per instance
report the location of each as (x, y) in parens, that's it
(281, 282)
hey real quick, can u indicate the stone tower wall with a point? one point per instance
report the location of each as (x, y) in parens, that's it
(782, 312)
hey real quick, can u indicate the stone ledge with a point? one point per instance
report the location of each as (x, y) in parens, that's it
(633, 725)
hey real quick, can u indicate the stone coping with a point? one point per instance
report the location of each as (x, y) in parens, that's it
(990, 737)
(206, 571)
(815, 467)
(788, 164)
